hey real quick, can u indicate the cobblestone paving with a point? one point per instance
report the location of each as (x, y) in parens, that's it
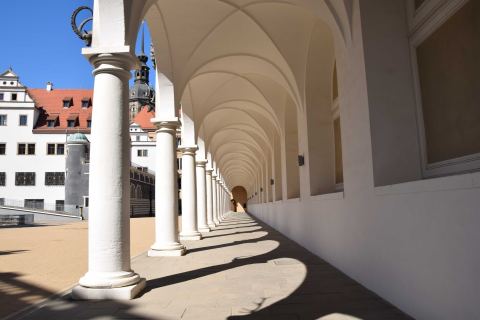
(242, 270)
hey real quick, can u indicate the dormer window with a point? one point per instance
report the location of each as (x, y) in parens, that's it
(72, 121)
(67, 102)
(52, 120)
(85, 103)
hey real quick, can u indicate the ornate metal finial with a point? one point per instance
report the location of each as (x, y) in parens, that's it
(143, 39)
(78, 29)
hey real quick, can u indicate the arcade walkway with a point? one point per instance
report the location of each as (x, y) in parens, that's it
(244, 269)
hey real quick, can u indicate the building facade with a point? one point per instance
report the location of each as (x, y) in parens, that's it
(35, 162)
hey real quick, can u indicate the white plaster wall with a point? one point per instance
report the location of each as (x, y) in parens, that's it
(415, 244)
(149, 161)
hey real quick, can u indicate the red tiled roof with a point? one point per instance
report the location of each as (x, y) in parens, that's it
(50, 104)
(143, 119)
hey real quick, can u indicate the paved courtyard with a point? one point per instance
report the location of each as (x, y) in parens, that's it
(41, 260)
(243, 269)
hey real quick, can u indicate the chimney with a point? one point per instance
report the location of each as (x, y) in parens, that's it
(49, 86)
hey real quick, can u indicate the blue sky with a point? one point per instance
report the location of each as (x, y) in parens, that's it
(39, 44)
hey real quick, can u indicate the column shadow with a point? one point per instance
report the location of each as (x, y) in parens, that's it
(325, 292)
(229, 233)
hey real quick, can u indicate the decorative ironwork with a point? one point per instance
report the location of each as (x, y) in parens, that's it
(301, 160)
(85, 35)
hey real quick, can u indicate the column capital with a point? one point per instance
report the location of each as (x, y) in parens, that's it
(201, 163)
(214, 175)
(166, 124)
(209, 171)
(188, 150)
(119, 63)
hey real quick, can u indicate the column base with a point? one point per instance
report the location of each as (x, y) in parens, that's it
(205, 229)
(171, 250)
(122, 293)
(191, 236)
(211, 226)
(166, 253)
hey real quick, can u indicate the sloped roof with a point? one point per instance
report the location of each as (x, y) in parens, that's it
(143, 119)
(9, 74)
(50, 103)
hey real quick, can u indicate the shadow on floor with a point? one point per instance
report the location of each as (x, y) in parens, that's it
(325, 293)
(19, 299)
(9, 252)
(231, 233)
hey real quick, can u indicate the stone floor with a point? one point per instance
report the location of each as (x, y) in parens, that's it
(39, 261)
(242, 270)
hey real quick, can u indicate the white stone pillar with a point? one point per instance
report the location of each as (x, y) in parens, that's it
(202, 197)
(210, 220)
(109, 273)
(215, 199)
(219, 198)
(166, 191)
(189, 195)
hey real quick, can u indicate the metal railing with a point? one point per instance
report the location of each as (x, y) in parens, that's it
(34, 204)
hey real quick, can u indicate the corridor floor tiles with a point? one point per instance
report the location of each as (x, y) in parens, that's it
(241, 270)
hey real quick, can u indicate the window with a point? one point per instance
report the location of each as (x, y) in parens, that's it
(54, 178)
(3, 148)
(51, 123)
(50, 148)
(14, 97)
(22, 120)
(142, 153)
(137, 138)
(85, 103)
(89, 123)
(2, 96)
(338, 152)
(26, 148)
(2, 201)
(60, 149)
(71, 123)
(24, 178)
(59, 205)
(34, 203)
(446, 50)
(3, 119)
(56, 148)
(3, 178)
(67, 102)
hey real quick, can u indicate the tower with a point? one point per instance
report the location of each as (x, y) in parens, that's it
(76, 180)
(141, 94)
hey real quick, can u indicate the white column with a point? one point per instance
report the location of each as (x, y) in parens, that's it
(202, 197)
(166, 191)
(215, 199)
(210, 221)
(109, 273)
(219, 197)
(189, 195)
